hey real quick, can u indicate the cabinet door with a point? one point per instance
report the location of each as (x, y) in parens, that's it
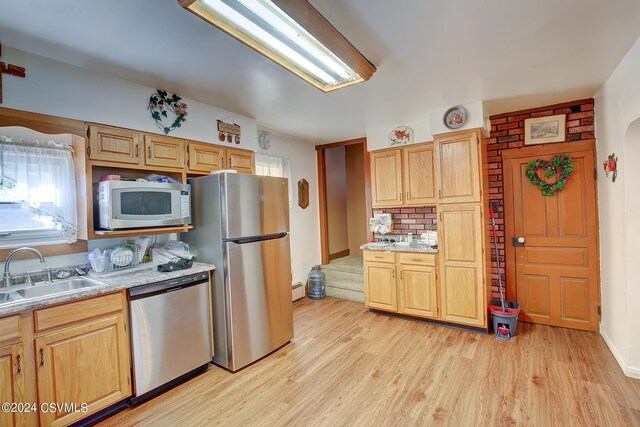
(12, 383)
(419, 175)
(417, 291)
(386, 178)
(88, 364)
(205, 157)
(461, 285)
(458, 169)
(242, 161)
(380, 286)
(114, 145)
(164, 151)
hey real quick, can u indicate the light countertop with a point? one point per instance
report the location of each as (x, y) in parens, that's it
(394, 247)
(109, 284)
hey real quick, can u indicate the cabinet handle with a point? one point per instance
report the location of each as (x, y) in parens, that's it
(41, 357)
(401, 274)
(378, 257)
(19, 362)
(408, 198)
(400, 195)
(416, 260)
(149, 151)
(223, 163)
(440, 194)
(393, 274)
(137, 150)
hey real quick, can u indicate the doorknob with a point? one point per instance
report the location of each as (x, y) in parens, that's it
(518, 241)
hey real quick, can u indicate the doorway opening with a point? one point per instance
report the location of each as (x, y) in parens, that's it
(345, 207)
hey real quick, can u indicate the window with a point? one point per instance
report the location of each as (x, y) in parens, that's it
(37, 192)
(274, 166)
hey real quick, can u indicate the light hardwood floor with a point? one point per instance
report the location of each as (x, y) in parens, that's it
(347, 366)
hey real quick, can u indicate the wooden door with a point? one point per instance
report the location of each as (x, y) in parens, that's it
(461, 285)
(205, 157)
(83, 364)
(419, 175)
(556, 271)
(386, 178)
(164, 151)
(12, 382)
(380, 286)
(458, 169)
(417, 291)
(114, 145)
(242, 161)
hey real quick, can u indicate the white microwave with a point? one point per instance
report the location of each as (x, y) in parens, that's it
(133, 204)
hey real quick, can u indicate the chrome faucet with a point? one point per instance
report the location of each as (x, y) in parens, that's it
(7, 274)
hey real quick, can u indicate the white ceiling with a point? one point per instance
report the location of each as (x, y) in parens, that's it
(430, 54)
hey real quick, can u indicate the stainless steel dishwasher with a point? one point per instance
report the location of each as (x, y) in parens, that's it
(170, 333)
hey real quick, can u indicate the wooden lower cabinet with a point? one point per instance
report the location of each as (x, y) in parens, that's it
(401, 282)
(81, 356)
(417, 291)
(380, 286)
(12, 382)
(462, 297)
(88, 364)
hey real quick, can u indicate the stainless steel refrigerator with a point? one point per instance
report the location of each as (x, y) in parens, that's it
(241, 225)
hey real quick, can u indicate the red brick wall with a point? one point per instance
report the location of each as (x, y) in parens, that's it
(414, 220)
(507, 132)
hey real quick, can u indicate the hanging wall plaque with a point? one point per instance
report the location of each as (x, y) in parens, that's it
(303, 193)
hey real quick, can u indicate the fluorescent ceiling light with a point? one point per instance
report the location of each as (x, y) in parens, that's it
(291, 33)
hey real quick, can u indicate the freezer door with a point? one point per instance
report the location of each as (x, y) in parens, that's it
(254, 205)
(258, 285)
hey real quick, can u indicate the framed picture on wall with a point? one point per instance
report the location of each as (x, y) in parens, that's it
(544, 130)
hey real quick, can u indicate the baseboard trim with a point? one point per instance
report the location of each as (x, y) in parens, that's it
(340, 254)
(629, 371)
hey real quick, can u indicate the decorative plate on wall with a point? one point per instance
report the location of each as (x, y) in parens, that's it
(265, 141)
(401, 135)
(455, 117)
(303, 193)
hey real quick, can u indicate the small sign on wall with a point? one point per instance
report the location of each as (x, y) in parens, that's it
(544, 130)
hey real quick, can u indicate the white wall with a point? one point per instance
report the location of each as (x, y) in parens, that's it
(433, 124)
(60, 89)
(617, 106)
(304, 223)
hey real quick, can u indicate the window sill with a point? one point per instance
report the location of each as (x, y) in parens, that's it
(47, 250)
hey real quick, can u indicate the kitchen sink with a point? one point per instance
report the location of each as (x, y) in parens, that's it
(46, 289)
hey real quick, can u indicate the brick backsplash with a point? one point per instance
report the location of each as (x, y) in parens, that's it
(411, 220)
(507, 132)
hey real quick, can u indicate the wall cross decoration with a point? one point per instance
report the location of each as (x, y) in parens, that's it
(10, 69)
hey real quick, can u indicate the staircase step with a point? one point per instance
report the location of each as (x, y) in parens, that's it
(345, 294)
(351, 286)
(333, 276)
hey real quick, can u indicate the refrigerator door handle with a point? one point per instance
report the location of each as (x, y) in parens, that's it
(253, 239)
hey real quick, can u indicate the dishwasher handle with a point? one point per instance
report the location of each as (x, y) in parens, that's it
(165, 286)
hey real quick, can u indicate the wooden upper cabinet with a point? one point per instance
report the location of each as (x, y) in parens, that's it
(12, 383)
(386, 178)
(87, 363)
(243, 161)
(205, 157)
(458, 168)
(164, 151)
(419, 175)
(114, 144)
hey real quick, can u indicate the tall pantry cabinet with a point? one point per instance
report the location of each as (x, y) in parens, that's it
(463, 230)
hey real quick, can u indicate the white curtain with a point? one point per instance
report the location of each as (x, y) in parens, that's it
(39, 175)
(275, 166)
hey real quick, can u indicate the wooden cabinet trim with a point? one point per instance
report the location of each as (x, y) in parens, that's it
(425, 176)
(392, 179)
(175, 148)
(98, 152)
(78, 311)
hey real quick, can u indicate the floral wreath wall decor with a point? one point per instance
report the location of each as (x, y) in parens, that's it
(161, 103)
(561, 165)
(611, 166)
